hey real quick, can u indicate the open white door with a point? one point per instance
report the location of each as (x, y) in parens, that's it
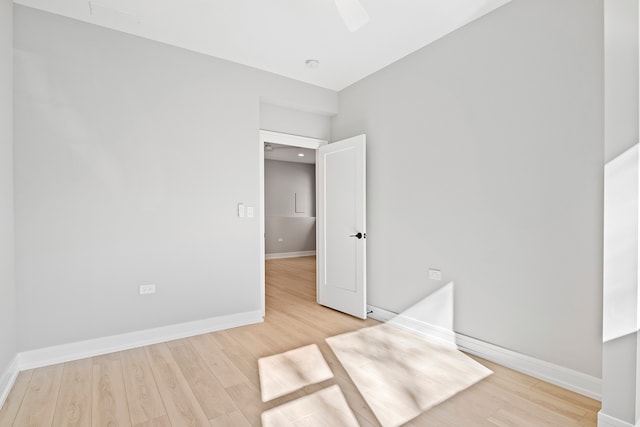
(341, 226)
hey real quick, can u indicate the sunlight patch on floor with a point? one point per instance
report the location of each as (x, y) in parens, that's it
(327, 407)
(287, 372)
(401, 375)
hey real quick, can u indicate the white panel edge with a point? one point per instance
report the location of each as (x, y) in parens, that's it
(569, 379)
(292, 140)
(261, 224)
(7, 380)
(95, 347)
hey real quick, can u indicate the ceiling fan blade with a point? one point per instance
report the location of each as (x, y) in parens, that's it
(353, 14)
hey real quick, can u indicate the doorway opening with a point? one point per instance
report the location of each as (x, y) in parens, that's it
(287, 217)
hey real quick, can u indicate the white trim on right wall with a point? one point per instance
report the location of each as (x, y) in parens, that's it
(569, 379)
(605, 420)
(578, 382)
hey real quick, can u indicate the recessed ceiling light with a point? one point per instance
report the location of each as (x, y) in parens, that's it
(300, 154)
(312, 63)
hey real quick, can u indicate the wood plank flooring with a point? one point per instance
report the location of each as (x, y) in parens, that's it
(212, 379)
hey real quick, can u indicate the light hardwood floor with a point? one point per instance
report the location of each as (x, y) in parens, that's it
(212, 379)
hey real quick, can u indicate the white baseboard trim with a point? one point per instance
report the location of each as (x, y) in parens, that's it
(380, 313)
(289, 254)
(579, 382)
(605, 420)
(569, 379)
(95, 347)
(7, 380)
(431, 332)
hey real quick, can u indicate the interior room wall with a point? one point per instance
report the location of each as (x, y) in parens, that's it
(8, 340)
(289, 120)
(485, 160)
(131, 157)
(283, 182)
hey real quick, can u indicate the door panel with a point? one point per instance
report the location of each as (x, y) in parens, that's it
(341, 173)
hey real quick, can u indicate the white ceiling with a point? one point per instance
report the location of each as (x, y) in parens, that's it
(280, 35)
(288, 153)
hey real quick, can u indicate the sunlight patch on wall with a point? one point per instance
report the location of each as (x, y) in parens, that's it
(620, 300)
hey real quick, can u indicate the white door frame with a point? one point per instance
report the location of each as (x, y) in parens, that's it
(284, 139)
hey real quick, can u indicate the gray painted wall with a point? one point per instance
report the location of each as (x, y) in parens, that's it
(485, 156)
(8, 340)
(282, 180)
(295, 122)
(131, 157)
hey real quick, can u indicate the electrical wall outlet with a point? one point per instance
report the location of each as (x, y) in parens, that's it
(435, 274)
(147, 289)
